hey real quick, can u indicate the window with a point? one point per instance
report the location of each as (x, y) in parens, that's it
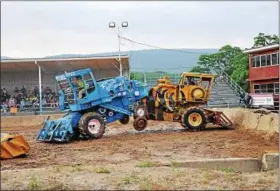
(268, 59)
(90, 87)
(257, 61)
(257, 88)
(263, 60)
(276, 88)
(264, 88)
(274, 59)
(270, 88)
(253, 60)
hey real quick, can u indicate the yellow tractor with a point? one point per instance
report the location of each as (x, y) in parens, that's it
(182, 102)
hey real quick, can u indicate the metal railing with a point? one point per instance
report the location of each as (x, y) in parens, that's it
(236, 88)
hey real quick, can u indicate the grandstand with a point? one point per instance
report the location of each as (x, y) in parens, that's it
(16, 73)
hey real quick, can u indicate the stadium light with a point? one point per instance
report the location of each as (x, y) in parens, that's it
(112, 25)
(124, 25)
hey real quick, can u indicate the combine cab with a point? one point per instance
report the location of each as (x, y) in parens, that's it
(182, 102)
(92, 104)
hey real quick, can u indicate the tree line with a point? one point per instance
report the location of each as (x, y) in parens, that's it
(232, 60)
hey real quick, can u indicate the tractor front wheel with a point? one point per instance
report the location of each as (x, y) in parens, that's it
(140, 123)
(194, 119)
(124, 120)
(92, 125)
(140, 111)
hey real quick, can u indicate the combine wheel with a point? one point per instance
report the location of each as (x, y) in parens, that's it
(92, 125)
(140, 111)
(140, 123)
(194, 119)
(124, 120)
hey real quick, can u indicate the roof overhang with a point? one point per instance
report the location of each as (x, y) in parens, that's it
(261, 48)
(54, 65)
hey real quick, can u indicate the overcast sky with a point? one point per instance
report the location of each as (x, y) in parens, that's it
(37, 29)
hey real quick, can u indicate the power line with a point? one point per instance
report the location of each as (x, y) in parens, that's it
(169, 49)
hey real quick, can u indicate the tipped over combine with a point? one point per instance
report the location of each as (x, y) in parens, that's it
(183, 102)
(92, 104)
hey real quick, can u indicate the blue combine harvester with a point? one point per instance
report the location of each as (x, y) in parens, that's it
(92, 104)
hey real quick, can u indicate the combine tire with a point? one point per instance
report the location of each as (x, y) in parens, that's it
(194, 119)
(140, 111)
(124, 120)
(92, 125)
(140, 123)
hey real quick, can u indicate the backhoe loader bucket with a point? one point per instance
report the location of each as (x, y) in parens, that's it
(13, 146)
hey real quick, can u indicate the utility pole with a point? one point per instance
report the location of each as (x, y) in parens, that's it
(113, 25)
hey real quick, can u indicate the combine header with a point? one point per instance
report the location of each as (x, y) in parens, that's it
(183, 102)
(92, 104)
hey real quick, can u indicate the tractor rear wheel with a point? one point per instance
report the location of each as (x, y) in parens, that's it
(124, 120)
(194, 119)
(92, 125)
(140, 123)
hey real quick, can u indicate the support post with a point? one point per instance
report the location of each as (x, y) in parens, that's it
(40, 87)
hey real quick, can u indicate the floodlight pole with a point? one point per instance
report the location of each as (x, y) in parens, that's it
(113, 25)
(120, 60)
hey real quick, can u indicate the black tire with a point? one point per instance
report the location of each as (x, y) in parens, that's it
(84, 128)
(191, 124)
(140, 123)
(124, 120)
(136, 113)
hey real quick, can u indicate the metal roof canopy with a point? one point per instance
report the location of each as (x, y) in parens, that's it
(264, 48)
(55, 65)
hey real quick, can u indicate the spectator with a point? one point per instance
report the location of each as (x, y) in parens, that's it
(48, 90)
(36, 91)
(45, 101)
(5, 106)
(22, 103)
(12, 101)
(23, 90)
(4, 91)
(249, 100)
(16, 90)
(242, 98)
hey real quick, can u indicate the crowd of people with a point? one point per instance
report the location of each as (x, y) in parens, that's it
(21, 98)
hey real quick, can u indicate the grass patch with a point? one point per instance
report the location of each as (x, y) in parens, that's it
(128, 180)
(145, 164)
(77, 169)
(227, 170)
(175, 164)
(57, 169)
(34, 184)
(145, 184)
(102, 170)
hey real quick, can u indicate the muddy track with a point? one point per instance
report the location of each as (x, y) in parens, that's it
(121, 143)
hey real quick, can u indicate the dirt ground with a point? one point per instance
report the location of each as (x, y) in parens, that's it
(125, 159)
